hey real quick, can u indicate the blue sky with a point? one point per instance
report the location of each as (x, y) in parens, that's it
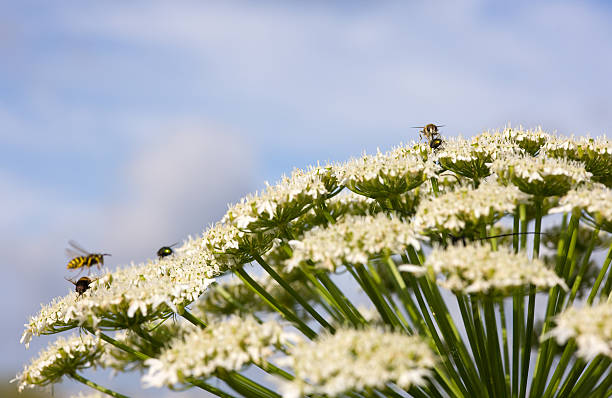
(129, 125)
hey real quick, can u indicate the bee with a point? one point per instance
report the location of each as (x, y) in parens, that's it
(82, 285)
(82, 258)
(165, 250)
(431, 134)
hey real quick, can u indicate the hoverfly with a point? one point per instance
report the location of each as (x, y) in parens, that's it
(431, 134)
(166, 250)
(82, 258)
(82, 285)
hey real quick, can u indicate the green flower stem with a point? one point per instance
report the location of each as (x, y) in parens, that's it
(293, 293)
(553, 384)
(602, 273)
(506, 353)
(487, 365)
(603, 390)
(388, 294)
(572, 377)
(228, 297)
(388, 316)
(208, 387)
(321, 207)
(191, 318)
(340, 299)
(468, 323)
(98, 387)
(269, 367)
(246, 386)
(583, 269)
(590, 377)
(324, 298)
(518, 315)
(526, 355)
(493, 348)
(120, 345)
(404, 294)
(272, 302)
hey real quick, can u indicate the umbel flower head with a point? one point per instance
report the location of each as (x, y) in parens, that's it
(465, 209)
(63, 357)
(594, 200)
(353, 240)
(540, 176)
(476, 268)
(528, 140)
(590, 327)
(353, 360)
(224, 345)
(279, 204)
(125, 297)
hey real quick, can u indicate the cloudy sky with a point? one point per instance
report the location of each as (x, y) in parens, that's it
(129, 125)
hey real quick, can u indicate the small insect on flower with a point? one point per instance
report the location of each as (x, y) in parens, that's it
(166, 250)
(431, 134)
(82, 285)
(82, 258)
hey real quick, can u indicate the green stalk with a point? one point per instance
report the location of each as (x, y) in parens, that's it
(583, 268)
(246, 386)
(572, 377)
(602, 273)
(228, 297)
(488, 366)
(284, 311)
(526, 356)
(98, 387)
(120, 345)
(506, 365)
(293, 293)
(379, 302)
(590, 377)
(493, 348)
(518, 315)
(345, 304)
(208, 387)
(553, 384)
(404, 295)
(269, 367)
(192, 318)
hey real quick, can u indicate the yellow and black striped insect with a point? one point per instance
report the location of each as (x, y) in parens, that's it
(431, 134)
(82, 285)
(82, 258)
(165, 250)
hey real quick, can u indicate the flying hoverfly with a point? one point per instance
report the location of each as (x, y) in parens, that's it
(82, 258)
(431, 134)
(166, 250)
(82, 285)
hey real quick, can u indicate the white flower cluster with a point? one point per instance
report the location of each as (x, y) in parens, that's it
(135, 293)
(529, 140)
(454, 210)
(594, 199)
(541, 175)
(353, 240)
(591, 327)
(393, 172)
(576, 147)
(281, 203)
(352, 360)
(477, 269)
(228, 345)
(61, 358)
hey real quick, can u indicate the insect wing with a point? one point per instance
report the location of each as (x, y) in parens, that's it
(78, 249)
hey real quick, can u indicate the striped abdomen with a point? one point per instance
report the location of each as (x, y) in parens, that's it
(85, 261)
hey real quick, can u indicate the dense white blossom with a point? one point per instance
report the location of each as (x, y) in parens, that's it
(62, 357)
(352, 360)
(591, 327)
(127, 295)
(595, 200)
(476, 268)
(353, 240)
(530, 140)
(467, 207)
(229, 345)
(540, 176)
(278, 204)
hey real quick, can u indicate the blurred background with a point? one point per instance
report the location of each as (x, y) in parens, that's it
(131, 125)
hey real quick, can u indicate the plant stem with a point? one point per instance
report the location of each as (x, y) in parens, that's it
(98, 387)
(192, 318)
(602, 273)
(207, 387)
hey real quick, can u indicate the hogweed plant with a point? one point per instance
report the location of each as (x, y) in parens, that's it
(416, 272)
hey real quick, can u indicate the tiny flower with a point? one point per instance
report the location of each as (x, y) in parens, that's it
(540, 176)
(589, 326)
(353, 360)
(477, 269)
(225, 345)
(529, 140)
(594, 200)
(63, 357)
(279, 204)
(472, 158)
(227, 244)
(353, 240)
(465, 209)
(594, 153)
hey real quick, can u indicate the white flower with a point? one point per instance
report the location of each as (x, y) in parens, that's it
(353, 240)
(465, 207)
(594, 199)
(590, 326)
(63, 357)
(228, 345)
(529, 140)
(352, 360)
(541, 176)
(128, 295)
(477, 269)
(283, 202)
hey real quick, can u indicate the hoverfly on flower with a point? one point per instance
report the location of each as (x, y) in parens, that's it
(82, 285)
(431, 134)
(82, 258)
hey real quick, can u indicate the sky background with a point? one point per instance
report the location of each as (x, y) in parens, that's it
(130, 125)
